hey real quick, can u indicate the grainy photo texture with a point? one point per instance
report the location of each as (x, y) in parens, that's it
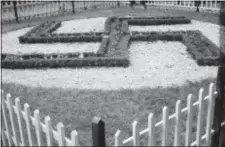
(113, 73)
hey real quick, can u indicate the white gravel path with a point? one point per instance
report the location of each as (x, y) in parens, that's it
(153, 64)
(82, 25)
(10, 44)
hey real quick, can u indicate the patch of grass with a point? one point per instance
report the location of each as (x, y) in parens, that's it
(118, 109)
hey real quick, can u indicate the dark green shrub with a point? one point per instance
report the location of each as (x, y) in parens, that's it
(153, 37)
(89, 54)
(210, 61)
(103, 47)
(56, 63)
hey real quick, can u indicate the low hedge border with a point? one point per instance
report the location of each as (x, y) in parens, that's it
(75, 62)
(201, 49)
(151, 17)
(143, 22)
(155, 20)
(10, 57)
(65, 38)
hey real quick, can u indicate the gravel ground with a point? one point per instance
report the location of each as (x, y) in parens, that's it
(10, 44)
(153, 64)
(82, 25)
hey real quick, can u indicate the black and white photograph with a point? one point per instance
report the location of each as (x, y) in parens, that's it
(112, 73)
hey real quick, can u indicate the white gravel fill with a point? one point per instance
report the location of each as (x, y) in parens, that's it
(154, 64)
(10, 44)
(82, 25)
(210, 30)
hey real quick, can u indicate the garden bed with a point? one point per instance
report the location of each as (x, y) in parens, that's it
(203, 50)
(115, 46)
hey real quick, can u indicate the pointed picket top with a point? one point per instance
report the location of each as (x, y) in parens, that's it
(28, 123)
(165, 127)
(38, 127)
(61, 134)
(177, 124)
(200, 113)
(135, 131)
(189, 120)
(49, 135)
(211, 86)
(119, 138)
(20, 120)
(151, 130)
(75, 138)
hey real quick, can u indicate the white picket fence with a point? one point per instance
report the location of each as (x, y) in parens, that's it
(33, 9)
(213, 6)
(176, 118)
(12, 126)
(11, 137)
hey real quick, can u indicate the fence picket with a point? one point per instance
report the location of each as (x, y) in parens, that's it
(135, 133)
(61, 134)
(189, 121)
(38, 127)
(9, 104)
(49, 136)
(199, 121)
(165, 127)
(28, 122)
(19, 118)
(151, 130)
(177, 125)
(2, 135)
(4, 125)
(74, 138)
(210, 112)
(118, 138)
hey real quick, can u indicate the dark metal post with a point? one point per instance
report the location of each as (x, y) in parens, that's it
(98, 132)
(15, 11)
(73, 8)
(219, 104)
(118, 4)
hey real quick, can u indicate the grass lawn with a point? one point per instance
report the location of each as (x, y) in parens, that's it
(76, 108)
(119, 108)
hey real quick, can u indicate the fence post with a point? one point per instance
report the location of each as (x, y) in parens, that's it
(15, 11)
(73, 8)
(219, 103)
(118, 3)
(98, 132)
(84, 6)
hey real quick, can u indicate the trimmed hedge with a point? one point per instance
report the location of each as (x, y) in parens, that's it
(141, 22)
(103, 47)
(108, 23)
(50, 38)
(154, 36)
(8, 57)
(209, 61)
(203, 50)
(41, 29)
(151, 17)
(57, 63)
